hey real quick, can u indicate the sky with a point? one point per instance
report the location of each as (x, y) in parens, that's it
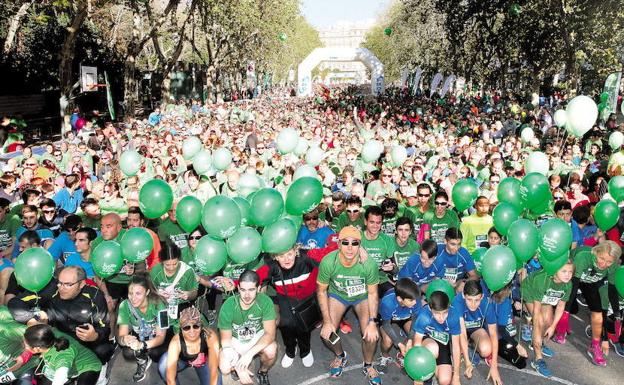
(327, 13)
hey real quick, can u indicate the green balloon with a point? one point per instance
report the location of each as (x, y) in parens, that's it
(136, 244)
(555, 238)
(616, 188)
(106, 259)
(534, 190)
(464, 194)
(504, 215)
(523, 239)
(221, 217)
(245, 209)
(388, 31)
(279, 236)
(34, 268)
(443, 286)
(607, 214)
(619, 280)
(499, 267)
(542, 208)
(604, 97)
(303, 195)
(267, 206)
(477, 257)
(509, 192)
(244, 246)
(419, 363)
(189, 213)
(553, 265)
(296, 219)
(155, 198)
(210, 255)
(130, 162)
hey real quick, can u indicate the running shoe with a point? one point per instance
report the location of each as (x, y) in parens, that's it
(580, 299)
(527, 333)
(400, 360)
(588, 331)
(546, 351)
(263, 378)
(372, 375)
(287, 361)
(382, 366)
(619, 348)
(345, 327)
(541, 367)
(595, 353)
(308, 360)
(337, 365)
(559, 338)
(143, 363)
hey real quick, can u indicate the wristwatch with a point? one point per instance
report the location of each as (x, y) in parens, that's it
(372, 319)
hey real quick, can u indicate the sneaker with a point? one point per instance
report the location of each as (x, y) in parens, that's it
(234, 376)
(527, 333)
(103, 379)
(142, 365)
(263, 378)
(541, 368)
(345, 327)
(559, 338)
(308, 360)
(546, 351)
(372, 375)
(400, 360)
(588, 331)
(382, 366)
(580, 299)
(619, 348)
(337, 365)
(595, 353)
(287, 361)
(475, 358)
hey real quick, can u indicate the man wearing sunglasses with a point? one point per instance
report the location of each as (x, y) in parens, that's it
(352, 215)
(345, 281)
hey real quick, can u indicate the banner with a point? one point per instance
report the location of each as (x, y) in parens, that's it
(404, 74)
(612, 87)
(447, 85)
(109, 97)
(435, 83)
(417, 80)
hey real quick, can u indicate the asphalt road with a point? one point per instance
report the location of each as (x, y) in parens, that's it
(570, 366)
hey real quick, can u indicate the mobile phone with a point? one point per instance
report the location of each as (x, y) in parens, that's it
(333, 338)
(163, 319)
(83, 326)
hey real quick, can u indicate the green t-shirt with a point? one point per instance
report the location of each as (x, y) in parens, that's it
(246, 324)
(187, 281)
(379, 250)
(586, 269)
(438, 226)
(76, 357)
(8, 229)
(388, 225)
(344, 221)
(188, 257)
(172, 233)
(403, 253)
(417, 217)
(146, 323)
(539, 286)
(348, 283)
(94, 223)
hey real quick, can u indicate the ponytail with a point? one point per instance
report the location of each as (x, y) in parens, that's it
(42, 336)
(61, 343)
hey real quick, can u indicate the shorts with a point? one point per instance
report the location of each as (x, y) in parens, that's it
(237, 349)
(444, 354)
(591, 292)
(345, 302)
(117, 291)
(5, 263)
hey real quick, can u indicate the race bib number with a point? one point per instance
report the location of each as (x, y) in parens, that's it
(441, 337)
(6, 377)
(550, 300)
(473, 324)
(511, 329)
(451, 274)
(245, 333)
(355, 290)
(587, 277)
(479, 239)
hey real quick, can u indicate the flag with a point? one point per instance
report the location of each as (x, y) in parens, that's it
(109, 98)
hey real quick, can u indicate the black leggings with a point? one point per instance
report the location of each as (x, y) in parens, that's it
(294, 337)
(86, 378)
(508, 350)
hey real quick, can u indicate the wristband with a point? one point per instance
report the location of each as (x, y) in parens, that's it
(371, 319)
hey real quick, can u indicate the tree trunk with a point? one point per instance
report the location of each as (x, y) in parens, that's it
(67, 61)
(130, 86)
(14, 25)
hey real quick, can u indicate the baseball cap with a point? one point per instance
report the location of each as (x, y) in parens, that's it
(350, 232)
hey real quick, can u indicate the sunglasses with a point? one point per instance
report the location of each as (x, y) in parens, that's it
(424, 195)
(557, 197)
(353, 211)
(189, 327)
(386, 175)
(441, 203)
(48, 211)
(310, 219)
(352, 243)
(195, 237)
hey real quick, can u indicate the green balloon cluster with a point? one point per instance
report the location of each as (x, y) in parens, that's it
(245, 210)
(221, 217)
(303, 195)
(155, 198)
(607, 214)
(210, 255)
(267, 206)
(34, 268)
(419, 363)
(523, 239)
(279, 236)
(440, 285)
(106, 259)
(499, 267)
(555, 238)
(464, 194)
(504, 215)
(136, 244)
(509, 192)
(244, 246)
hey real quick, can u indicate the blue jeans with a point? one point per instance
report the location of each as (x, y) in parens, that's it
(203, 372)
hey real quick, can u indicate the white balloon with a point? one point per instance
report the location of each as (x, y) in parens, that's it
(527, 134)
(315, 156)
(398, 155)
(302, 147)
(221, 158)
(616, 139)
(202, 162)
(305, 170)
(581, 113)
(537, 162)
(560, 118)
(191, 146)
(248, 183)
(370, 151)
(287, 140)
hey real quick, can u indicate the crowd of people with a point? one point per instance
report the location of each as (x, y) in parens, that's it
(381, 242)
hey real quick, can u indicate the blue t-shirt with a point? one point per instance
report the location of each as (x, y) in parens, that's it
(414, 270)
(69, 202)
(316, 239)
(579, 235)
(504, 316)
(74, 259)
(62, 245)
(454, 266)
(427, 325)
(44, 234)
(478, 318)
(390, 309)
